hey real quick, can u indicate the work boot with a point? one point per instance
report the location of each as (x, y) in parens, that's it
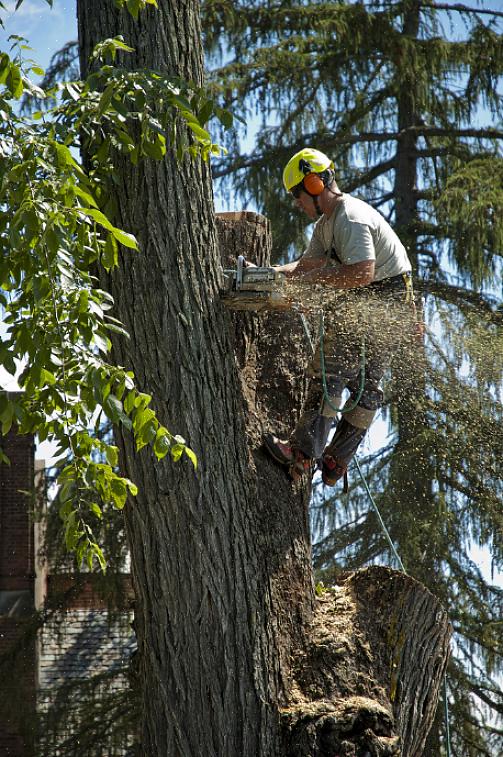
(332, 470)
(279, 450)
(301, 466)
(295, 460)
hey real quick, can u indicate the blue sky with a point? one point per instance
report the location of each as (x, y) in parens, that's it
(46, 29)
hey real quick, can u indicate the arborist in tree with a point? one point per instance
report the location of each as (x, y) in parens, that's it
(357, 267)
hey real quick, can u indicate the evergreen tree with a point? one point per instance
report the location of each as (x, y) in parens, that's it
(406, 98)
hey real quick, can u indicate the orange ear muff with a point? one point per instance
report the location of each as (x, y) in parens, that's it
(313, 184)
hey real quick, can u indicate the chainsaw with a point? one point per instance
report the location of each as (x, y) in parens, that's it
(254, 288)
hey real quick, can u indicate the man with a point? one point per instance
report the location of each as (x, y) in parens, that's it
(357, 269)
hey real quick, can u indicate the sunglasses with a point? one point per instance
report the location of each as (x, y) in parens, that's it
(297, 190)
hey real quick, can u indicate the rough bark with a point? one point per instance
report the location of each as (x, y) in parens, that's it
(221, 557)
(367, 681)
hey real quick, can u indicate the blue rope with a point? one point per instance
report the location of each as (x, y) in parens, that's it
(371, 498)
(446, 720)
(383, 525)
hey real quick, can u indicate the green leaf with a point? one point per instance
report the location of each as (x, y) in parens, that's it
(65, 157)
(177, 451)
(89, 199)
(112, 454)
(201, 134)
(106, 98)
(47, 378)
(133, 489)
(225, 117)
(6, 417)
(96, 509)
(15, 81)
(99, 217)
(4, 67)
(155, 149)
(101, 558)
(113, 408)
(128, 240)
(129, 402)
(205, 112)
(192, 456)
(162, 443)
(110, 254)
(119, 491)
(72, 91)
(133, 7)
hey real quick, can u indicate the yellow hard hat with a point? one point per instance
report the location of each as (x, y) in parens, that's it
(306, 161)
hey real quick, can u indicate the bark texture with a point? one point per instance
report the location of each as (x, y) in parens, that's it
(220, 558)
(368, 679)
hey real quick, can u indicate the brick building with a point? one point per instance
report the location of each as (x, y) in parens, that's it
(53, 663)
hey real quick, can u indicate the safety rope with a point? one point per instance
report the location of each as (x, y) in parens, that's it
(346, 408)
(379, 518)
(401, 566)
(369, 493)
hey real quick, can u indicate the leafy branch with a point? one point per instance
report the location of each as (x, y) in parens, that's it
(55, 227)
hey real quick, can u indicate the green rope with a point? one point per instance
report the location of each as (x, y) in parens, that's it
(446, 720)
(345, 409)
(383, 525)
(400, 564)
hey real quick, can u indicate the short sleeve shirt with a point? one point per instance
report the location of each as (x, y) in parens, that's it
(356, 232)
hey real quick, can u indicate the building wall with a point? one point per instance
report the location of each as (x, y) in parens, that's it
(17, 680)
(53, 675)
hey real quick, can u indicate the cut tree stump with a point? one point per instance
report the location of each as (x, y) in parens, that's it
(361, 665)
(368, 680)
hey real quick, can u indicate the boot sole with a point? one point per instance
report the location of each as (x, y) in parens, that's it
(273, 451)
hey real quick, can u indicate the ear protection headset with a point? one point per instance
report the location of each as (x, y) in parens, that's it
(313, 182)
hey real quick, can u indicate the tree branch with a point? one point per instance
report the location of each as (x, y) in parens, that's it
(461, 8)
(457, 295)
(478, 691)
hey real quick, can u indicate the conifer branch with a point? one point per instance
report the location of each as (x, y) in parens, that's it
(461, 296)
(461, 8)
(222, 168)
(480, 692)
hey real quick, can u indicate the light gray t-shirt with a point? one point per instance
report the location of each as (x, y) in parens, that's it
(356, 232)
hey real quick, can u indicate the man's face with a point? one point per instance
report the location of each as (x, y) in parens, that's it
(303, 201)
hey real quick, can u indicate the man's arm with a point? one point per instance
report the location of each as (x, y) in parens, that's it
(300, 266)
(343, 277)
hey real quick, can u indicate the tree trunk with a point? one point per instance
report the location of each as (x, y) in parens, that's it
(220, 557)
